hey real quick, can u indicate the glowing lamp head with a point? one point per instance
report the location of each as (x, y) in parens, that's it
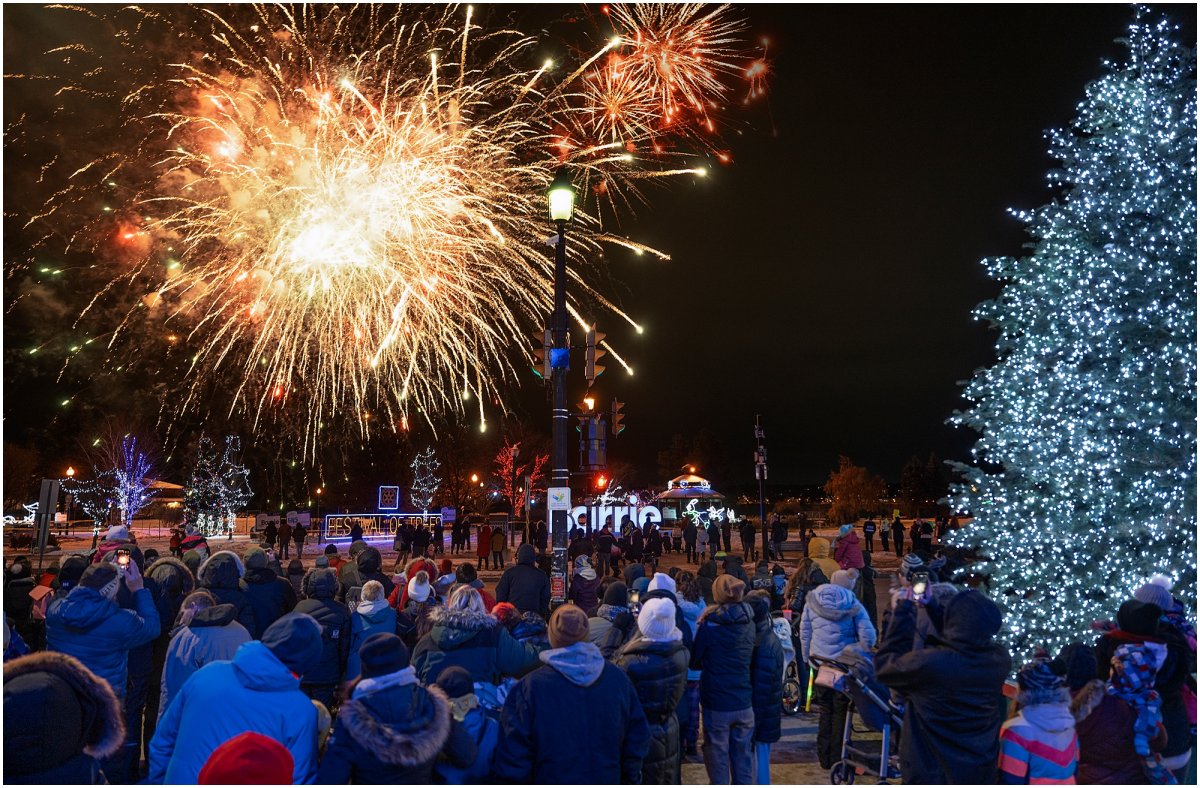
(474, 478)
(561, 196)
(70, 472)
(590, 402)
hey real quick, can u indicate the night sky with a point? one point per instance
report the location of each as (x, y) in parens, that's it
(825, 278)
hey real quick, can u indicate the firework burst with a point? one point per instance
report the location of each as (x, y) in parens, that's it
(342, 212)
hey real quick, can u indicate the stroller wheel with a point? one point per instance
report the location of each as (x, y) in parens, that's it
(842, 773)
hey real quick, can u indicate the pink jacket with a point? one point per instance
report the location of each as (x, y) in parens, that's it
(848, 553)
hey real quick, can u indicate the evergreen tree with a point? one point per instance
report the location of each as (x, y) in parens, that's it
(1084, 478)
(218, 487)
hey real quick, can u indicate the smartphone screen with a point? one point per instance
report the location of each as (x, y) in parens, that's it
(123, 557)
(920, 583)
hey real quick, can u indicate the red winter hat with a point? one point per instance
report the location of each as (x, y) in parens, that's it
(248, 759)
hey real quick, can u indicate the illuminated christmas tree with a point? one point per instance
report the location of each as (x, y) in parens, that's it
(1084, 479)
(425, 479)
(218, 487)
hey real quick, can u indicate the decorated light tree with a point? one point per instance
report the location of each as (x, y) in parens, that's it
(1083, 483)
(218, 487)
(131, 480)
(425, 479)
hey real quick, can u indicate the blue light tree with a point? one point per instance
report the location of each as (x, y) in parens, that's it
(1083, 482)
(131, 480)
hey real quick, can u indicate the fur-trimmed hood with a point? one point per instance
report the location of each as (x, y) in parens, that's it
(36, 729)
(223, 569)
(405, 725)
(1087, 699)
(452, 628)
(172, 576)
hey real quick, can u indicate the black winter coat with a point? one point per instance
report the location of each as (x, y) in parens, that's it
(658, 672)
(221, 576)
(723, 649)
(334, 618)
(546, 708)
(270, 595)
(370, 567)
(766, 669)
(524, 586)
(952, 688)
(394, 736)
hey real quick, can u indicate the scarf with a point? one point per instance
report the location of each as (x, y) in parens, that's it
(1134, 667)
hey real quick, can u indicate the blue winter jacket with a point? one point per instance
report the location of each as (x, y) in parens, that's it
(100, 634)
(484, 730)
(833, 619)
(255, 692)
(366, 620)
(722, 651)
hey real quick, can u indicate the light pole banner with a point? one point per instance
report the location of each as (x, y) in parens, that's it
(558, 499)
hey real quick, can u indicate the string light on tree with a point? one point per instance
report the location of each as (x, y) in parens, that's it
(218, 488)
(425, 479)
(1083, 483)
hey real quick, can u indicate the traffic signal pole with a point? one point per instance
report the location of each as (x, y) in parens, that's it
(559, 473)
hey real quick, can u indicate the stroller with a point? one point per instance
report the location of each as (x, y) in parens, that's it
(793, 692)
(853, 674)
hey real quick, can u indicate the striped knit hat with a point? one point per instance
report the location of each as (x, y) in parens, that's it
(911, 563)
(1038, 683)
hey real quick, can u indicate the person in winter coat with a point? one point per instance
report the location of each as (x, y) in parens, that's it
(61, 721)
(194, 540)
(392, 730)
(271, 597)
(498, 545)
(818, 553)
(1139, 623)
(584, 583)
(833, 620)
(612, 614)
(398, 598)
(295, 576)
(954, 704)
(412, 622)
(88, 624)
(207, 632)
(480, 727)
(322, 679)
(372, 616)
(655, 661)
(897, 528)
(723, 651)
(1103, 723)
(661, 586)
(483, 547)
(705, 577)
(370, 566)
(690, 535)
(221, 575)
(258, 691)
(544, 710)
(691, 606)
(766, 666)
(524, 585)
(762, 579)
(174, 583)
(117, 538)
(1039, 746)
(848, 554)
(463, 634)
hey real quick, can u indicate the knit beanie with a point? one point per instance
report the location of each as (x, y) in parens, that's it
(322, 562)
(248, 759)
(505, 613)
(911, 563)
(192, 560)
(295, 640)
(465, 573)
(101, 577)
(381, 654)
(1038, 683)
(617, 595)
(331, 549)
(845, 529)
(1156, 592)
(1139, 618)
(71, 571)
(656, 620)
(568, 625)
(846, 578)
(456, 682)
(1077, 663)
(419, 588)
(356, 547)
(728, 588)
(661, 582)
(118, 533)
(255, 558)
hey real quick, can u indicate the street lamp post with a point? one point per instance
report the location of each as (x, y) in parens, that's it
(561, 198)
(67, 523)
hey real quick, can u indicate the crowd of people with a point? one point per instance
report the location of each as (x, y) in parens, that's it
(125, 666)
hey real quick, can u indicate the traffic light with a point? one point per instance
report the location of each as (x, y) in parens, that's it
(541, 355)
(601, 482)
(617, 418)
(592, 370)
